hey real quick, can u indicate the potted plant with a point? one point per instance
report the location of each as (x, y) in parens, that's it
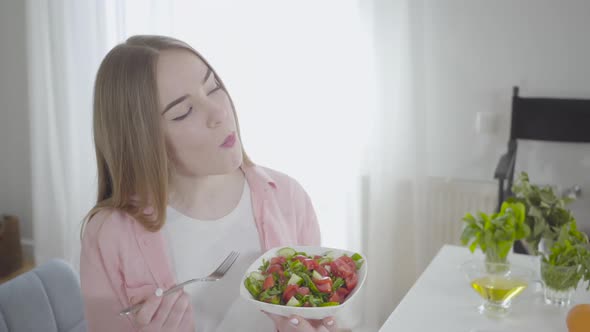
(566, 263)
(546, 213)
(495, 234)
(554, 236)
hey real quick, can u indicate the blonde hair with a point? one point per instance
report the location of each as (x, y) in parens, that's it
(133, 163)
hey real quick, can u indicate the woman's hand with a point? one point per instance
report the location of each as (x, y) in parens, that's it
(299, 324)
(165, 313)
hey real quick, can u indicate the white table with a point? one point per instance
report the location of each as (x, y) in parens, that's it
(442, 300)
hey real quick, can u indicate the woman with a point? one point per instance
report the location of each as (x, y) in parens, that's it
(176, 194)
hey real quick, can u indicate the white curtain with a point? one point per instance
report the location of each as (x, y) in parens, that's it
(67, 39)
(397, 161)
(324, 91)
(63, 51)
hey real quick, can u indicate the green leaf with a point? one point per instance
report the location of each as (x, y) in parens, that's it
(309, 283)
(488, 239)
(504, 248)
(480, 242)
(487, 223)
(526, 230)
(547, 196)
(264, 266)
(337, 284)
(539, 229)
(329, 304)
(535, 212)
(469, 218)
(468, 234)
(519, 212)
(473, 246)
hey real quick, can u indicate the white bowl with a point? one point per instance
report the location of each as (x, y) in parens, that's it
(305, 312)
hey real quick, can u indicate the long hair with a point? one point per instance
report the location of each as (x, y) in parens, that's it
(134, 165)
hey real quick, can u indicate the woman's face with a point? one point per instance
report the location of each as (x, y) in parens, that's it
(197, 116)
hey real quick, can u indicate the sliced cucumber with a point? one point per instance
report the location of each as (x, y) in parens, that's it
(293, 302)
(257, 276)
(253, 287)
(316, 275)
(295, 280)
(286, 252)
(330, 254)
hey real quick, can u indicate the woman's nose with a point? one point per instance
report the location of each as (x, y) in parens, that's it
(217, 116)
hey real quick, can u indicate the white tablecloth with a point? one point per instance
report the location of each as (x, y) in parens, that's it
(442, 300)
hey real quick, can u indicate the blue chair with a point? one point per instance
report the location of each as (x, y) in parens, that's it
(46, 299)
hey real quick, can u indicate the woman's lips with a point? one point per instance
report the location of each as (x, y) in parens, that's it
(229, 141)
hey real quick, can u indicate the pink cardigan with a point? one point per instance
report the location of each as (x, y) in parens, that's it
(121, 260)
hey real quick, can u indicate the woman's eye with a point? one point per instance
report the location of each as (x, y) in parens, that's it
(190, 110)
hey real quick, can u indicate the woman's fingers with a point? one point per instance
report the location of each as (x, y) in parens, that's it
(145, 315)
(290, 324)
(330, 324)
(177, 313)
(187, 323)
(299, 324)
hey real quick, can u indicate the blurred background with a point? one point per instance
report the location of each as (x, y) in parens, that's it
(392, 114)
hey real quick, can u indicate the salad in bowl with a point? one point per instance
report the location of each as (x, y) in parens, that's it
(312, 282)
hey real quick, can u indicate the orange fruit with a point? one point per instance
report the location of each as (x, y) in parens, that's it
(578, 318)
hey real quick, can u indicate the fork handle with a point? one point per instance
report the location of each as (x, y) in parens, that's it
(135, 308)
(179, 286)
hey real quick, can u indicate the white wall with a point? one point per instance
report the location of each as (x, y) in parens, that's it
(15, 164)
(471, 54)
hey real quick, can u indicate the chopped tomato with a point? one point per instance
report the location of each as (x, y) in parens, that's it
(269, 282)
(278, 260)
(289, 292)
(321, 270)
(343, 292)
(335, 297)
(351, 281)
(349, 261)
(324, 285)
(303, 290)
(310, 264)
(324, 288)
(300, 258)
(274, 268)
(341, 269)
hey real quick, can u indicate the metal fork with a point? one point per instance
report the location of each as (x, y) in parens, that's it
(214, 276)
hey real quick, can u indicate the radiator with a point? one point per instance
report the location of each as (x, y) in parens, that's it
(448, 200)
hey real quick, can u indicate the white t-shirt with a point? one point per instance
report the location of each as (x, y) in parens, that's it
(197, 247)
